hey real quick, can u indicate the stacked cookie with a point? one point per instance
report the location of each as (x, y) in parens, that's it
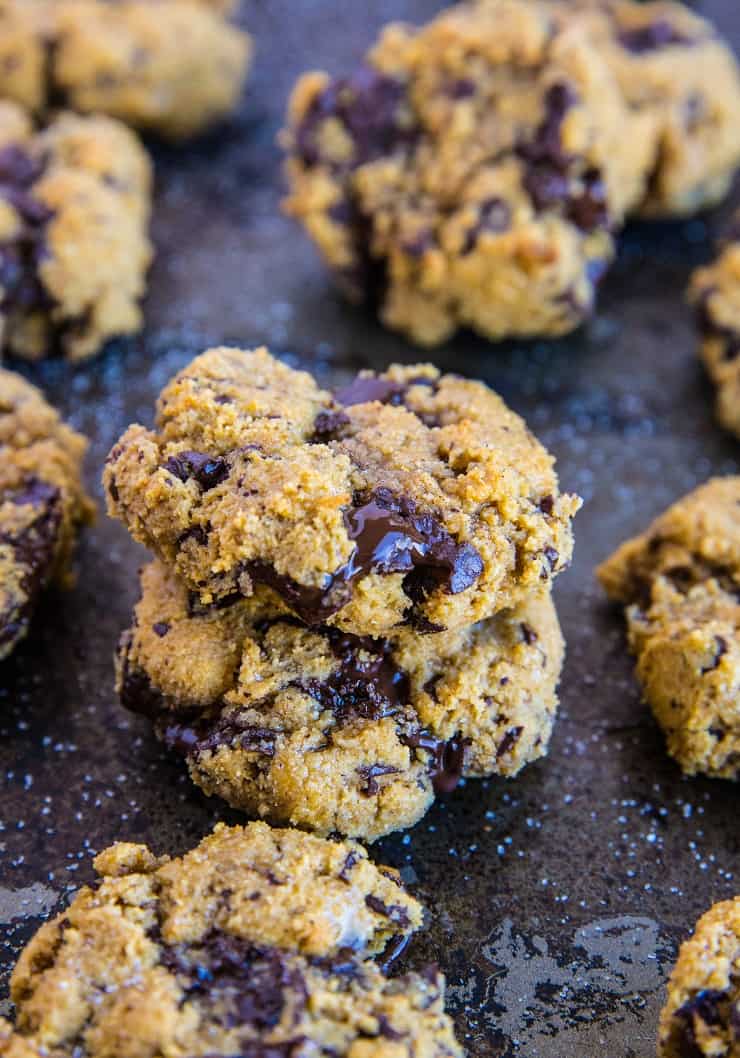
(474, 171)
(350, 604)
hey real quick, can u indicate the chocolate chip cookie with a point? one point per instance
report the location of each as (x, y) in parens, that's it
(702, 1015)
(171, 66)
(406, 498)
(715, 294)
(471, 172)
(74, 248)
(330, 731)
(677, 73)
(680, 581)
(257, 942)
(42, 502)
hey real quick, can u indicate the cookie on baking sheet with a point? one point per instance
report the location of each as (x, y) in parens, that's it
(334, 732)
(715, 293)
(258, 941)
(680, 581)
(42, 502)
(701, 1017)
(169, 66)
(407, 498)
(74, 245)
(471, 172)
(681, 77)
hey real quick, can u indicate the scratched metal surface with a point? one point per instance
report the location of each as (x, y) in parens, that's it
(557, 900)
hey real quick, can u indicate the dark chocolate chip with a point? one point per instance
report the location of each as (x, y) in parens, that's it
(508, 742)
(710, 1007)
(208, 471)
(447, 758)
(657, 34)
(350, 860)
(160, 628)
(238, 982)
(396, 913)
(494, 216)
(204, 735)
(366, 388)
(720, 649)
(367, 683)
(368, 105)
(369, 773)
(390, 536)
(33, 548)
(547, 505)
(528, 633)
(328, 425)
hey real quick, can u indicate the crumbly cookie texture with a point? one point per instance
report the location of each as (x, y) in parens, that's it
(471, 172)
(334, 732)
(715, 293)
(169, 66)
(677, 73)
(404, 498)
(702, 1014)
(42, 502)
(680, 581)
(74, 248)
(255, 942)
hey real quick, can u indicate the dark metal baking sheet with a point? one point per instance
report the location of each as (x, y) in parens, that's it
(557, 900)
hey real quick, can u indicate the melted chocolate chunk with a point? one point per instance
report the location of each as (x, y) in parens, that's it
(549, 181)
(390, 536)
(208, 735)
(366, 388)
(368, 105)
(392, 953)
(446, 758)
(494, 216)
(137, 692)
(328, 425)
(547, 505)
(370, 773)
(655, 35)
(350, 860)
(22, 289)
(396, 913)
(34, 550)
(508, 742)
(160, 628)
(208, 471)
(245, 984)
(367, 683)
(546, 146)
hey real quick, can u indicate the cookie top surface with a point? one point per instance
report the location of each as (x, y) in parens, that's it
(695, 539)
(702, 1013)
(253, 942)
(331, 731)
(406, 497)
(471, 172)
(674, 69)
(42, 501)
